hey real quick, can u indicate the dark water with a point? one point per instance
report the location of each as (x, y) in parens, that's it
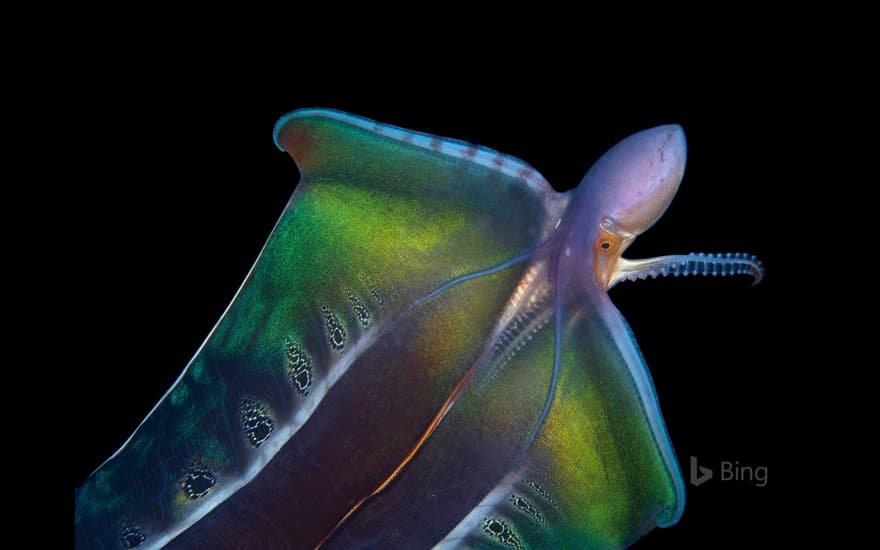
(182, 185)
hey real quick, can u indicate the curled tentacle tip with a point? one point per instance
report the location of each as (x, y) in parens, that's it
(758, 274)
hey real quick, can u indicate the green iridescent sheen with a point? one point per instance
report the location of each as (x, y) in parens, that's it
(355, 223)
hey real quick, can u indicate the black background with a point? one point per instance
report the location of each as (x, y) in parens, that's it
(176, 185)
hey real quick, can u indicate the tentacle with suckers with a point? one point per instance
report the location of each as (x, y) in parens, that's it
(688, 264)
